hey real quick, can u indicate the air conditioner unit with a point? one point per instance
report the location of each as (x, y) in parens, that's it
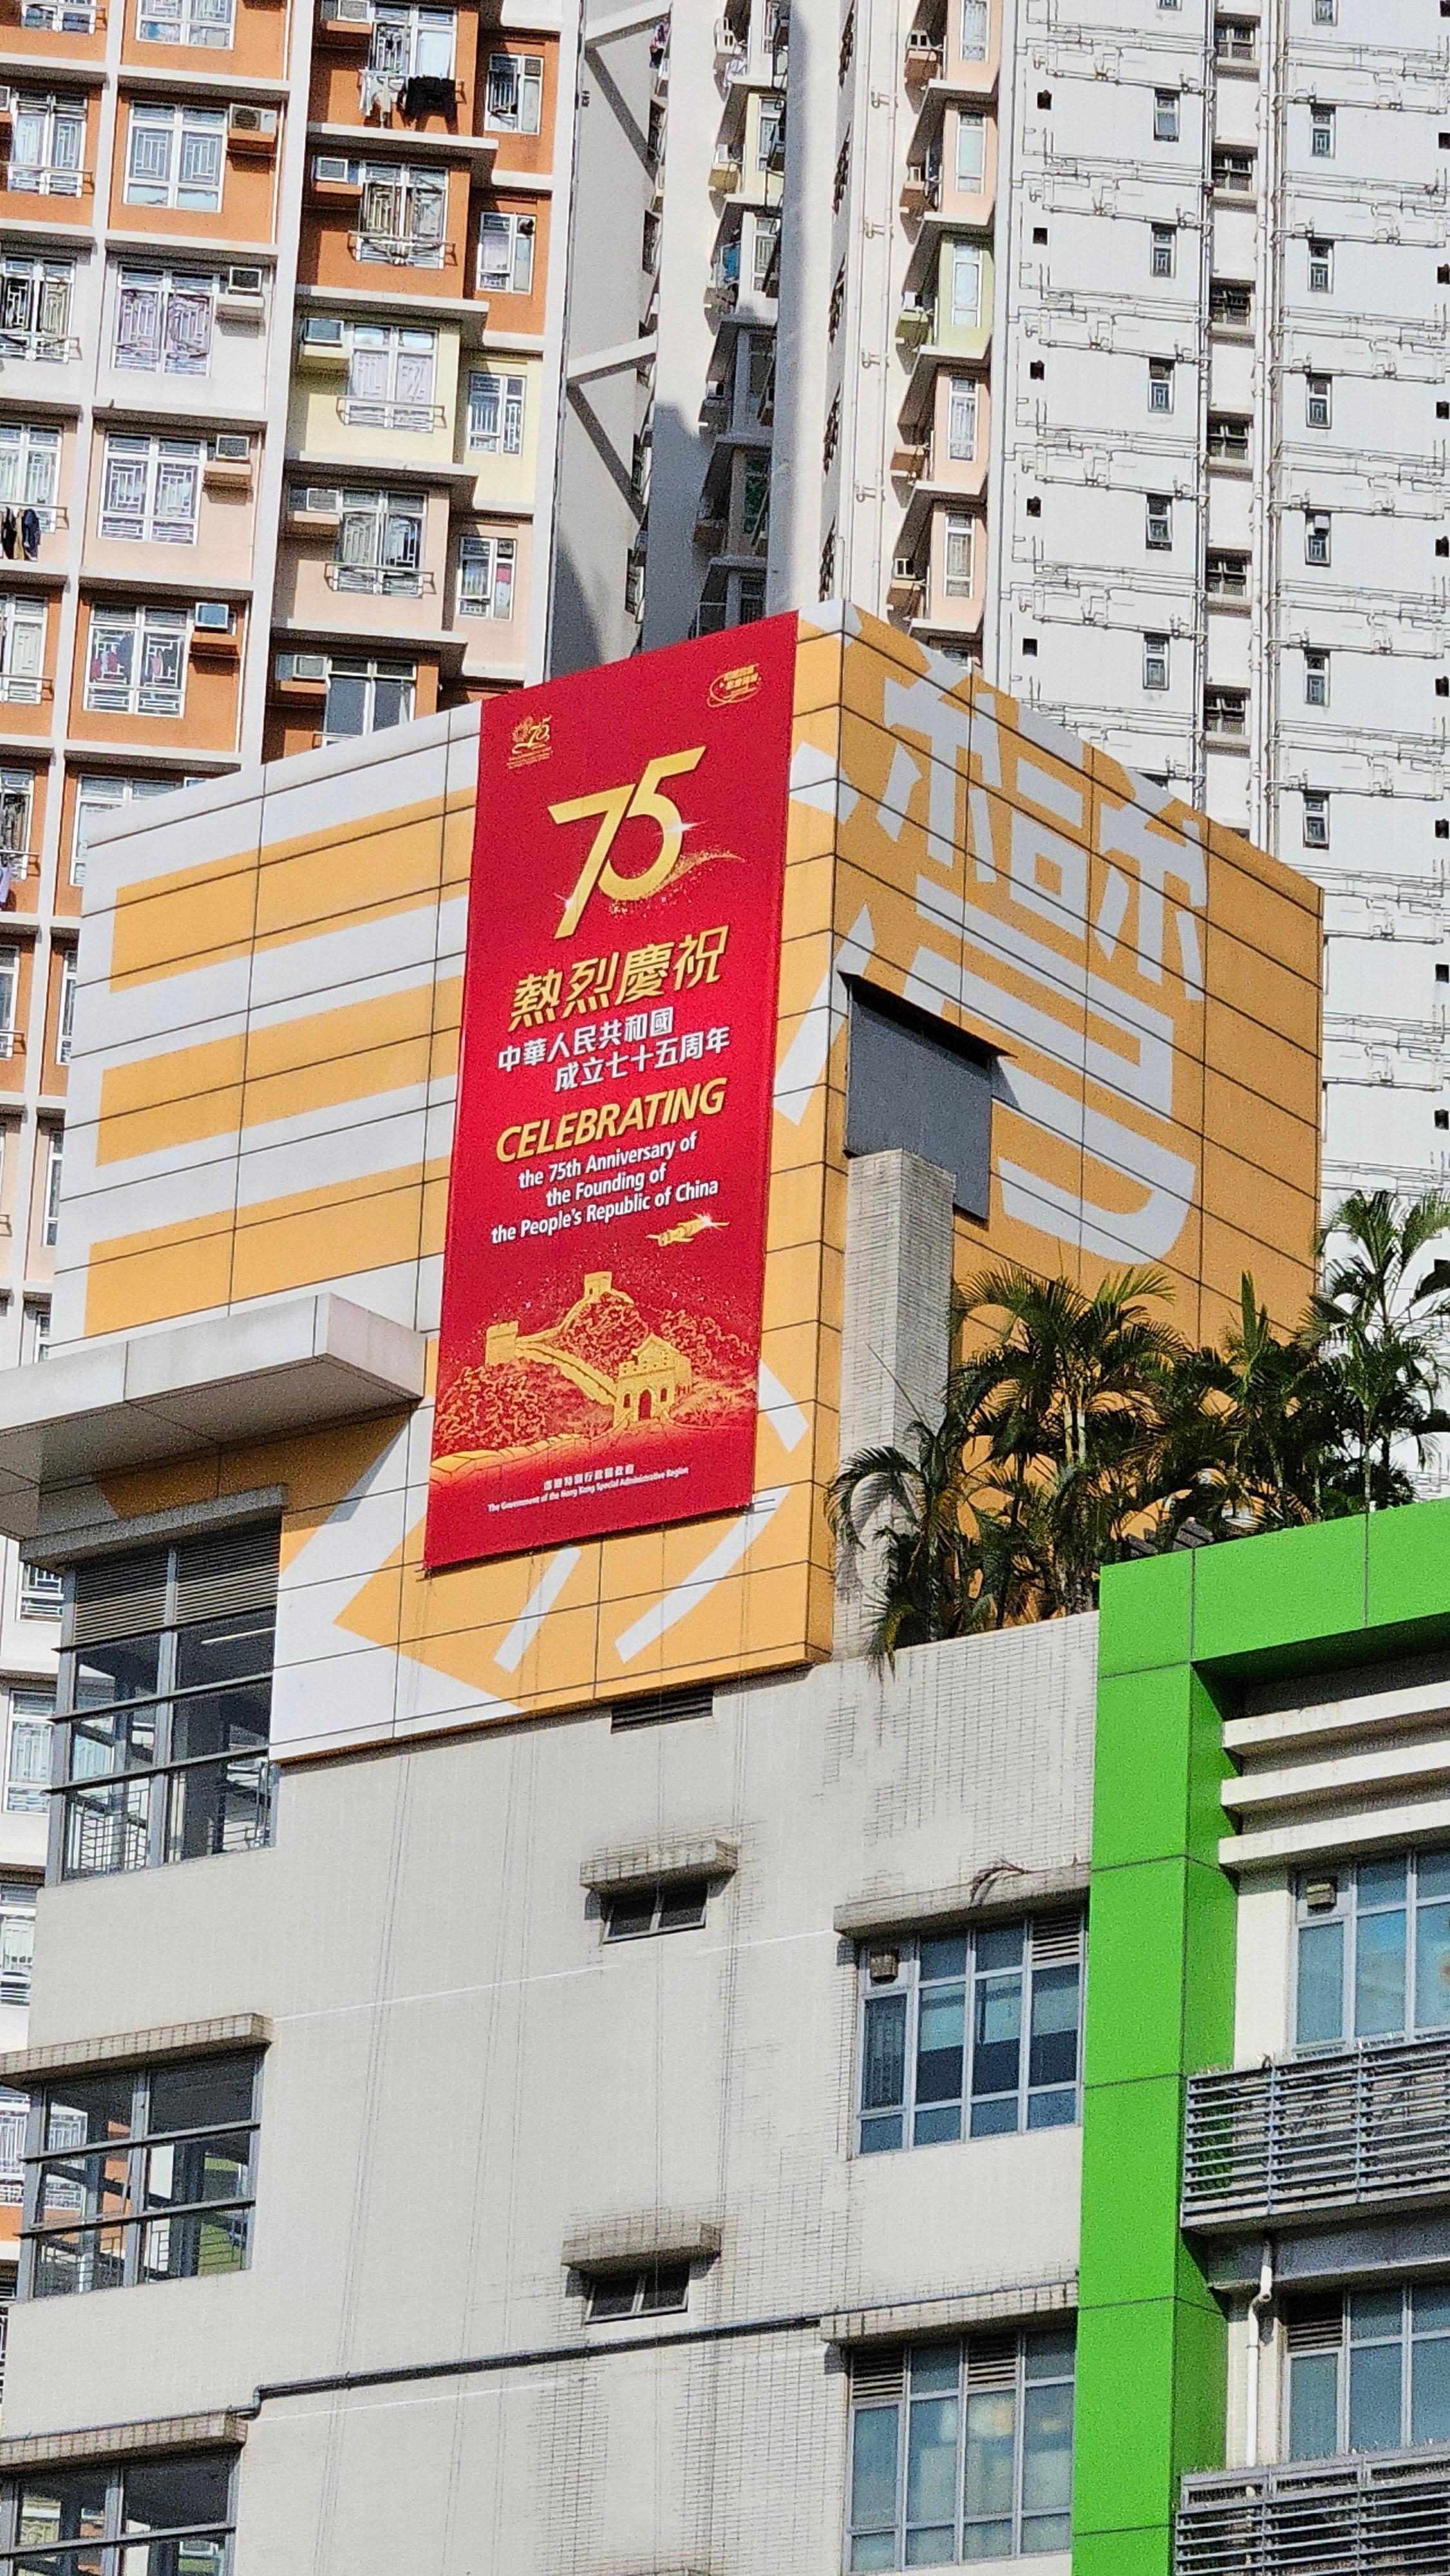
(244, 281)
(316, 500)
(357, 12)
(252, 120)
(332, 166)
(322, 331)
(231, 447)
(213, 617)
(302, 666)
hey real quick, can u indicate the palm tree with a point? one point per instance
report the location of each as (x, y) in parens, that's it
(1377, 1320)
(1254, 1434)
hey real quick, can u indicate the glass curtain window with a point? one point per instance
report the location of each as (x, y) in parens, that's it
(32, 1731)
(1369, 2371)
(514, 95)
(175, 157)
(163, 322)
(961, 2453)
(22, 647)
(971, 153)
(141, 2175)
(47, 145)
(185, 22)
(972, 2035)
(486, 577)
(151, 489)
(29, 460)
(966, 271)
(496, 412)
(136, 664)
(366, 697)
(1374, 1950)
(506, 253)
(390, 377)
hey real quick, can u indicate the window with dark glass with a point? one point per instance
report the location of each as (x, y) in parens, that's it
(165, 1704)
(651, 2290)
(660, 1905)
(961, 2451)
(170, 2517)
(1369, 2370)
(970, 2034)
(140, 2174)
(1373, 1945)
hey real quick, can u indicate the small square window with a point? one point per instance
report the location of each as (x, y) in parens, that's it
(1044, 98)
(1325, 13)
(1442, 974)
(1442, 688)
(1442, 828)
(1442, 1117)
(1442, 545)
(1034, 506)
(1037, 370)
(1442, 411)
(1029, 647)
(1442, 276)
(1039, 233)
(668, 1905)
(650, 2292)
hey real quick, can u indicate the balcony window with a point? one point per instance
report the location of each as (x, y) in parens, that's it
(181, 2506)
(136, 664)
(961, 2451)
(141, 2175)
(206, 23)
(513, 94)
(1163, 254)
(22, 649)
(1158, 522)
(495, 413)
(1369, 2370)
(380, 542)
(151, 489)
(47, 145)
(9, 990)
(175, 156)
(404, 215)
(1321, 266)
(29, 466)
(486, 577)
(32, 1733)
(1160, 384)
(35, 302)
(975, 31)
(413, 44)
(163, 321)
(17, 792)
(969, 2034)
(966, 274)
(505, 254)
(958, 556)
(96, 797)
(1373, 1950)
(366, 697)
(35, 1342)
(961, 420)
(390, 378)
(971, 154)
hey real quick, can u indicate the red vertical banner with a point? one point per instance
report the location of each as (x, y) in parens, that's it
(605, 1256)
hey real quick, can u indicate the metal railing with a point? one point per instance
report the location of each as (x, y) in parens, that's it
(383, 580)
(1386, 2512)
(371, 411)
(1369, 2122)
(54, 346)
(186, 1810)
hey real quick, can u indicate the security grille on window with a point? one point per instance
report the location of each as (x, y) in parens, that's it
(14, 2122)
(40, 1589)
(380, 543)
(960, 2451)
(974, 31)
(390, 377)
(1228, 438)
(1321, 133)
(1165, 116)
(17, 789)
(169, 2517)
(404, 214)
(96, 797)
(205, 23)
(958, 556)
(1316, 536)
(1316, 819)
(163, 321)
(1225, 711)
(970, 2034)
(22, 649)
(35, 301)
(1230, 303)
(652, 2291)
(413, 43)
(65, 1012)
(486, 577)
(47, 145)
(29, 464)
(140, 2175)
(1321, 267)
(175, 156)
(769, 134)
(1226, 575)
(17, 1941)
(27, 1770)
(151, 488)
(505, 254)
(961, 420)
(1160, 384)
(1158, 522)
(1316, 678)
(165, 1702)
(136, 662)
(668, 1905)
(1155, 661)
(1163, 255)
(514, 95)
(1235, 40)
(1369, 2370)
(495, 413)
(1373, 1948)
(1233, 172)
(1317, 401)
(366, 697)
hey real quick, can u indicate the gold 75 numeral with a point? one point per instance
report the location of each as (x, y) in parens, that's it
(636, 800)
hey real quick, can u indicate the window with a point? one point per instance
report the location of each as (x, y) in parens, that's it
(1225, 711)
(1316, 820)
(1227, 574)
(1321, 133)
(54, 1163)
(652, 2292)
(486, 577)
(29, 461)
(496, 412)
(970, 2034)
(412, 43)
(1325, 13)
(175, 157)
(1155, 661)
(1321, 266)
(165, 1701)
(1165, 116)
(65, 1006)
(974, 31)
(505, 254)
(1163, 257)
(150, 488)
(961, 2451)
(9, 987)
(1160, 384)
(670, 1905)
(1233, 172)
(380, 543)
(185, 22)
(17, 788)
(39, 1594)
(515, 94)
(1373, 1948)
(966, 261)
(1235, 40)
(17, 1942)
(1158, 526)
(840, 176)
(1316, 678)
(22, 649)
(181, 2505)
(1228, 438)
(27, 1771)
(47, 144)
(754, 491)
(831, 437)
(35, 308)
(1369, 2370)
(36, 1321)
(390, 375)
(961, 420)
(971, 153)
(139, 2175)
(770, 134)
(958, 552)
(1230, 303)
(404, 214)
(366, 697)
(1317, 400)
(163, 322)
(765, 241)
(838, 302)
(98, 796)
(1316, 536)
(136, 664)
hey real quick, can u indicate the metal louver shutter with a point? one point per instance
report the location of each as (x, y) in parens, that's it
(1316, 2325)
(217, 1576)
(1055, 1942)
(991, 2361)
(878, 2374)
(117, 1596)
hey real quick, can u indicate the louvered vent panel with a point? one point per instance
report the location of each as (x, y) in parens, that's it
(118, 1596)
(1056, 1942)
(217, 1576)
(1315, 2325)
(879, 2374)
(991, 2361)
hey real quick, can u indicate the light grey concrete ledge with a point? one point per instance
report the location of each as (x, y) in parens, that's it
(1000, 1890)
(914, 2318)
(647, 1864)
(661, 2236)
(136, 2047)
(125, 2441)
